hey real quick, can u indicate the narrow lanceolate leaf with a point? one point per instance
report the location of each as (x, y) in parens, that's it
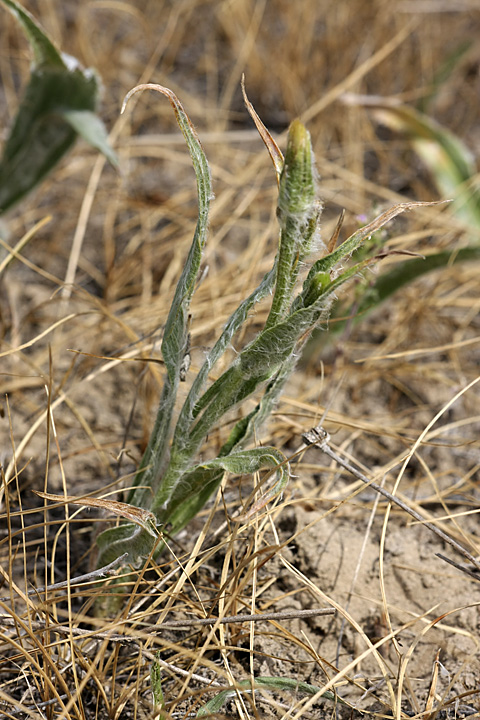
(269, 683)
(232, 326)
(156, 683)
(175, 339)
(49, 119)
(203, 479)
(247, 426)
(406, 272)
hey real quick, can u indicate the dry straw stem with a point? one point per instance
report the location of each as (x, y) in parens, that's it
(319, 437)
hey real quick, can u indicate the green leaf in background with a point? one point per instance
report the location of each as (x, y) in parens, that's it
(404, 273)
(87, 124)
(59, 104)
(44, 51)
(449, 160)
(269, 683)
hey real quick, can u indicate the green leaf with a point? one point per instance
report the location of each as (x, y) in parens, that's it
(129, 538)
(180, 502)
(91, 128)
(40, 136)
(189, 496)
(58, 104)
(270, 683)
(176, 336)
(156, 683)
(406, 272)
(45, 52)
(245, 428)
(446, 156)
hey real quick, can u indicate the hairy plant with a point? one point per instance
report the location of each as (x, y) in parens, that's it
(171, 486)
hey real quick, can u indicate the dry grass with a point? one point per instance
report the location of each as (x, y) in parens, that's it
(98, 278)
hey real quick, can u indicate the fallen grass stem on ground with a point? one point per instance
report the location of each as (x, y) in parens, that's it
(321, 439)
